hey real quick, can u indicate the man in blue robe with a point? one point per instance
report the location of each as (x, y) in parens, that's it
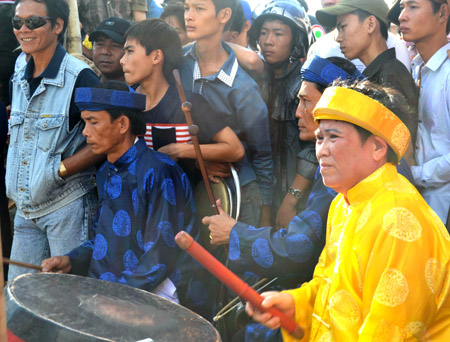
(144, 199)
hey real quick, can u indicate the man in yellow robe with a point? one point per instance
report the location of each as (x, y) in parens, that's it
(384, 272)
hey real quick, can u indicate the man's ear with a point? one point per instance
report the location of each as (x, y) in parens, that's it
(380, 148)
(372, 24)
(224, 15)
(124, 124)
(444, 12)
(59, 25)
(158, 56)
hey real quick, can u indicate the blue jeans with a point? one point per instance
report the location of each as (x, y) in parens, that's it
(251, 204)
(58, 233)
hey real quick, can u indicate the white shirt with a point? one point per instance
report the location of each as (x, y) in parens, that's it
(327, 46)
(433, 134)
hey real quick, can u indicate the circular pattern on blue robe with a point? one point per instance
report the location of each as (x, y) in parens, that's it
(150, 212)
(133, 168)
(332, 192)
(149, 177)
(189, 228)
(135, 199)
(198, 293)
(234, 251)
(129, 155)
(102, 167)
(108, 276)
(100, 247)
(157, 276)
(140, 239)
(256, 332)
(314, 221)
(148, 246)
(261, 253)
(114, 188)
(130, 260)
(299, 248)
(167, 233)
(186, 184)
(165, 158)
(121, 223)
(168, 191)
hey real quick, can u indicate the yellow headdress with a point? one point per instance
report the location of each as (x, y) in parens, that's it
(348, 105)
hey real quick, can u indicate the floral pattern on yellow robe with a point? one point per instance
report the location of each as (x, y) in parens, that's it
(384, 272)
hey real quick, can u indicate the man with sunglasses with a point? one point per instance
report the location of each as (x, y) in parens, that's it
(50, 173)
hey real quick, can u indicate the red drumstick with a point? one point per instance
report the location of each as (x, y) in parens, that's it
(187, 243)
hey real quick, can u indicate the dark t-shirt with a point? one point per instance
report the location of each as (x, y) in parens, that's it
(166, 124)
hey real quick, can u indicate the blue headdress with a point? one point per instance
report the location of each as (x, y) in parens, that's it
(96, 99)
(319, 70)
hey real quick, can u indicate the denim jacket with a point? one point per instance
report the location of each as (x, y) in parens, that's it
(40, 139)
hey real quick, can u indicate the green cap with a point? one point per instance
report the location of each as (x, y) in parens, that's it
(378, 8)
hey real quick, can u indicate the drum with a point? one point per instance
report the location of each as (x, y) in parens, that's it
(64, 308)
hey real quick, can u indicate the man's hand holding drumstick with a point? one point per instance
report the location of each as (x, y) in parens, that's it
(57, 264)
(282, 301)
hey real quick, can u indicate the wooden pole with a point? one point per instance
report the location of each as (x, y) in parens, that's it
(73, 35)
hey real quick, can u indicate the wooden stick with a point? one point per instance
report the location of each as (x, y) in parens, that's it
(21, 264)
(193, 131)
(187, 243)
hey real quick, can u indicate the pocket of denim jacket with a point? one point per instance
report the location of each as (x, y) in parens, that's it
(48, 130)
(14, 122)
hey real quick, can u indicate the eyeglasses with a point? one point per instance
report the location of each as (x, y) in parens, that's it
(32, 22)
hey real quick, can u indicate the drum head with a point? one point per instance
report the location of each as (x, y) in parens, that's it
(59, 307)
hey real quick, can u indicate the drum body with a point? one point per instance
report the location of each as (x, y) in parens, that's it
(64, 308)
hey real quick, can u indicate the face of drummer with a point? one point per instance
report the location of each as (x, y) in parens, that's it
(344, 158)
(105, 135)
(308, 96)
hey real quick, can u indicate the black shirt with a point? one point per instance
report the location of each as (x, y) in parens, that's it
(388, 71)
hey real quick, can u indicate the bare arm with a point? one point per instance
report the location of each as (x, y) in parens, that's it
(81, 161)
(227, 148)
(288, 208)
(248, 59)
(139, 16)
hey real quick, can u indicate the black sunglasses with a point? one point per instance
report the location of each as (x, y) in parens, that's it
(32, 22)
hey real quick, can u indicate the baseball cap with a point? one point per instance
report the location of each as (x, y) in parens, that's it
(113, 27)
(247, 11)
(378, 8)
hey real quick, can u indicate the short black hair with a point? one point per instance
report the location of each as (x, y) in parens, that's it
(137, 122)
(156, 34)
(342, 63)
(237, 20)
(391, 98)
(436, 7)
(221, 4)
(362, 15)
(55, 9)
(177, 10)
